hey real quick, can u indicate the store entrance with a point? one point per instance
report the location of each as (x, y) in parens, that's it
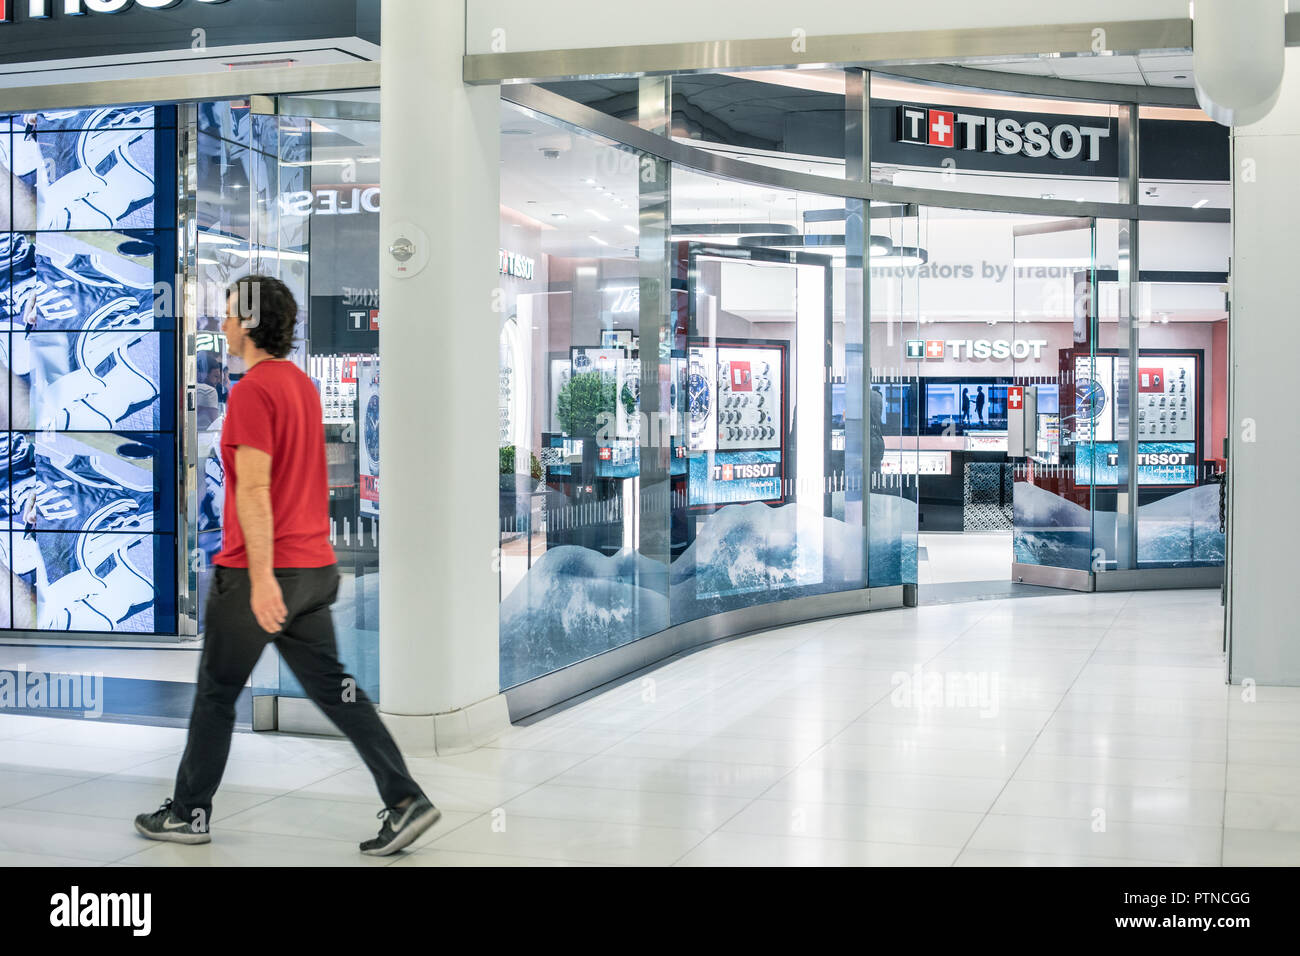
(997, 296)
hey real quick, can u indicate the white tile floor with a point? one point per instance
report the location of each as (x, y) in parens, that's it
(1102, 735)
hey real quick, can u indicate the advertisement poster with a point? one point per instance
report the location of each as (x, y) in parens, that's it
(701, 406)
(1166, 398)
(736, 476)
(627, 410)
(368, 435)
(1094, 391)
(749, 398)
(1159, 463)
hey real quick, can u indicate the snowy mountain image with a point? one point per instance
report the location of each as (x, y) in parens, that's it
(575, 602)
(1049, 530)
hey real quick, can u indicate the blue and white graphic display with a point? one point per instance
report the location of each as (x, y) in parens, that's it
(730, 477)
(88, 169)
(1159, 463)
(87, 363)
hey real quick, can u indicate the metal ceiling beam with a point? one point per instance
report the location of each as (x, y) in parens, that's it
(225, 85)
(870, 50)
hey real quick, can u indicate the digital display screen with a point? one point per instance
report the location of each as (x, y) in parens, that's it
(894, 407)
(965, 405)
(1159, 463)
(84, 381)
(729, 477)
(88, 372)
(61, 481)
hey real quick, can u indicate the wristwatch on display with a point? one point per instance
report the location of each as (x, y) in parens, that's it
(698, 399)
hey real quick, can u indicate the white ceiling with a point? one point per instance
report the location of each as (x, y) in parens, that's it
(1148, 69)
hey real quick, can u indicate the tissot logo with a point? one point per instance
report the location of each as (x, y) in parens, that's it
(48, 9)
(993, 134)
(743, 471)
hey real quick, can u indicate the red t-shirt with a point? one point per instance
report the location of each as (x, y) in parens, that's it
(275, 408)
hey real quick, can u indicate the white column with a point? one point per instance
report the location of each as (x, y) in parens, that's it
(1263, 430)
(438, 596)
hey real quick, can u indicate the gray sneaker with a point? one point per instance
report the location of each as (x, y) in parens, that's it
(165, 824)
(401, 828)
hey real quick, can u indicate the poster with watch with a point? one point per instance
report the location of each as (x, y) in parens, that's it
(627, 410)
(701, 408)
(1166, 398)
(749, 399)
(368, 434)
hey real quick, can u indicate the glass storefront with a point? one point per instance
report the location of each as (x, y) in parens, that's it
(723, 386)
(121, 229)
(89, 388)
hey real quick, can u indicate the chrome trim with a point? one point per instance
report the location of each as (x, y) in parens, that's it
(187, 610)
(234, 84)
(863, 49)
(1157, 579)
(264, 712)
(585, 118)
(623, 662)
(1027, 84)
(296, 715)
(1045, 576)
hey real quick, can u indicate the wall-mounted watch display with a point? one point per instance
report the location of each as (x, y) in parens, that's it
(749, 396)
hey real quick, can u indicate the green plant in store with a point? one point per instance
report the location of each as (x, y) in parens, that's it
(507, 463)
(583, 401)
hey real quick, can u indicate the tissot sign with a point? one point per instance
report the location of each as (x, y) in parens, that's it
(47, 9)
(35, 31)
(969, 349)
(1007, 135)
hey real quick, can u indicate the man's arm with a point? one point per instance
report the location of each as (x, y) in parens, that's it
(253, 506)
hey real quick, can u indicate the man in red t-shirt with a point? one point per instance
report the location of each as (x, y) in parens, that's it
(275, 580)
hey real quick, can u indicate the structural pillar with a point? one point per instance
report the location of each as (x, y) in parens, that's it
(1263, 430)
(438, 349)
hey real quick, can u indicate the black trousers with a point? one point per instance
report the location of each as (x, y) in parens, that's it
(233, 643)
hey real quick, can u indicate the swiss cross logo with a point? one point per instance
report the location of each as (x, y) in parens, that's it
(374, 320)
(927, 127)
(606, 454)
(1015, 397)
(727, 472)
(1151, 380)
(934, 348)
(942, 128)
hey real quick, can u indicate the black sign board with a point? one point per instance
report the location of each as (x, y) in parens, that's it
(124, 27)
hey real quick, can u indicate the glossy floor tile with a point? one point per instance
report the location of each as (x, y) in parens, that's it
(1069, 730)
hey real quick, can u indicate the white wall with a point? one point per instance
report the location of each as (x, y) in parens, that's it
(570, 24)
(1264, 522)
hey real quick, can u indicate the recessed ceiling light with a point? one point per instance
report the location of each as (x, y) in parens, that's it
(516, 132)
(558, 215)
(1180, 76)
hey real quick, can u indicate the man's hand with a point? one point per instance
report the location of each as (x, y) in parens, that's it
(267, 602)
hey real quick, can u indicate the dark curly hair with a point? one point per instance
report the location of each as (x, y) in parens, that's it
(268, 311)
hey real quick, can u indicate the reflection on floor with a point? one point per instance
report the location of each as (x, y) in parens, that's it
(969, 556)
(1081, 729)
